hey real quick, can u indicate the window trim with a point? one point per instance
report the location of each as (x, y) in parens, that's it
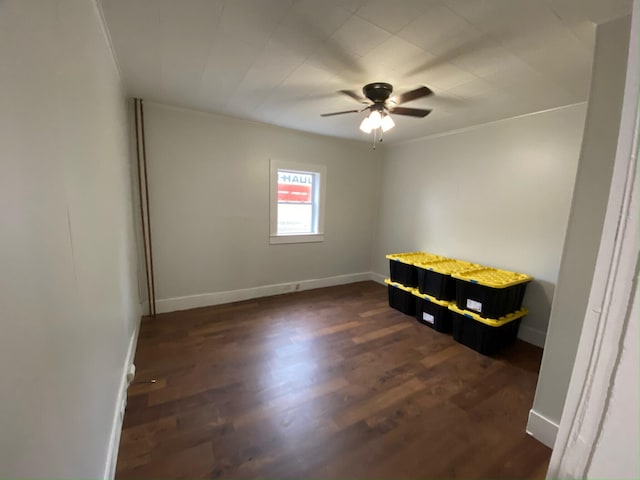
(319, 201)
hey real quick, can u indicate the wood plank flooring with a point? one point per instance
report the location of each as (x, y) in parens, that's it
(328, 383)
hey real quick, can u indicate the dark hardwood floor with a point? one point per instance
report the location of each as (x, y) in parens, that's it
(328, 383)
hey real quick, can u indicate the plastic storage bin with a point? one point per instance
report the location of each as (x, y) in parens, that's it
(485, 335)
(402, 267)
(434, 278)
(490, 292)
(433, 312)
(401, 297)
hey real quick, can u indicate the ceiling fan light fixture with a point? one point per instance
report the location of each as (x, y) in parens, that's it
(365, 126)
(379, 103)
(375, 119)
(387, 123)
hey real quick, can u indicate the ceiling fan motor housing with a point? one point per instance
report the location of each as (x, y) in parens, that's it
(377, 92)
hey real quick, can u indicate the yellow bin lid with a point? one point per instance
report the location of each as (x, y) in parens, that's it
(398, 285)
(398, 256)
(412, 258)
(492, 322)
(448, 266)
(492, 277)
(437, 301)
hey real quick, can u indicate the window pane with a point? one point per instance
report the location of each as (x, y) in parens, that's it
(295, 218)
(295, 202)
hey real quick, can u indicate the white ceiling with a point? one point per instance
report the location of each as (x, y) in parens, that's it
(283, 61)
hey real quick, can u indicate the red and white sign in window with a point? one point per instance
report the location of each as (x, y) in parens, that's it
(295, 202)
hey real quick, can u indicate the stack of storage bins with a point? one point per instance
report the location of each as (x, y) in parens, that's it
(488, 309)
(481, 305)
(404, 279)
(436, 290)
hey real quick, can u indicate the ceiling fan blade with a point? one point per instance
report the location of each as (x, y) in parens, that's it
(411, 112)
(412, 95)
(354, 95)
(339, 113)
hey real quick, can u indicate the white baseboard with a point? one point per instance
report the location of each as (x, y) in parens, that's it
(116, 427)
(531, 335)
(144, 308)
(542, 429)
(378, 278)
(216, 298)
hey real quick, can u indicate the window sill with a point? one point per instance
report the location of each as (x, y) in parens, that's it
(308, 238)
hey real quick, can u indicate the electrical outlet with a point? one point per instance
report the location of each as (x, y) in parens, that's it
(131, 374)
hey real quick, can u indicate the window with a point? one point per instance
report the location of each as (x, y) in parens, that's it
(297, 202)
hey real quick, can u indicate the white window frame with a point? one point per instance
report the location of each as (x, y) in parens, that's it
(319, 201)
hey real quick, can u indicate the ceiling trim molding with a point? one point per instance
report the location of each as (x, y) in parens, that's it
(366, 141)
(107, 36)
(480, 125)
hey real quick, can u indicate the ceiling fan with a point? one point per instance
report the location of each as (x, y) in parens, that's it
(378, 100)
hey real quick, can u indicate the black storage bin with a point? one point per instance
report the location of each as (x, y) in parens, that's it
(490, 292)
(401, 298)
(434, 278)
(403, 273)
(433, 312)
(485, 335)
(402, 267)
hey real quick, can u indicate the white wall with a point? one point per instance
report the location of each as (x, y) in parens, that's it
(586, 220)
(616, 453)
(67, 267)
(599, 432)
(209, 199)
(497, 194)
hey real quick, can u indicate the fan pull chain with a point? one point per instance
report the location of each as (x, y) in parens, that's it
(375, 138)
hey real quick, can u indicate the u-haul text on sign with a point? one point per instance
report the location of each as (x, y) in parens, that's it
(294, 187)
